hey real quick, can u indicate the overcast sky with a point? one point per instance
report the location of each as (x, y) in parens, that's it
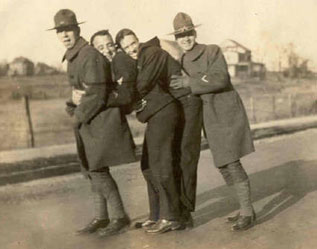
(261, 25)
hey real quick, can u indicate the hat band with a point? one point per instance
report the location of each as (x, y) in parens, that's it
(184, 29)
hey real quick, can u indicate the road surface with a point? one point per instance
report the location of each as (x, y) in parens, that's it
(43, 214)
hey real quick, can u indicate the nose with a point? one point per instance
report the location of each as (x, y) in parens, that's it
(130, 49)
(106, 49)
(64, 33)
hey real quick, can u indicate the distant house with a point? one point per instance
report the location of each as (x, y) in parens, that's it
(44, 69)
(21, 66)
(239, 59)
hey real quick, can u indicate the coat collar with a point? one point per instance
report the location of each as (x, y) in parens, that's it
(71, 53)
(196, 52)
(150, 43)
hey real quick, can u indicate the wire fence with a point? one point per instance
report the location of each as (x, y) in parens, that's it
(35, 116)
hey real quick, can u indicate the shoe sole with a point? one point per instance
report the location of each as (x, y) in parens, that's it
(244, 228)
(121, 230)
(164, 230)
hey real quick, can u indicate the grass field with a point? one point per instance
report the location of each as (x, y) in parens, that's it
(264, 101)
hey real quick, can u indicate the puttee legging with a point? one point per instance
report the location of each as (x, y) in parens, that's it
(107, 199)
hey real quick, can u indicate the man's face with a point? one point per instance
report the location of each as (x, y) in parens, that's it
(104, 44)
(68, 36)
(130, 44)
(186, 40)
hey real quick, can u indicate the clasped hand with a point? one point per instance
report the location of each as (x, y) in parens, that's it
(179, 81)
(140, 105)
(77, 95)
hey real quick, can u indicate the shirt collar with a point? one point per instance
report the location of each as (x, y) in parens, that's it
(196, 52)
(71, 53)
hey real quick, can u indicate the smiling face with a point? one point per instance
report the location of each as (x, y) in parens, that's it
(186, 40)
(130, 45)
(105, 45)
(68, 35)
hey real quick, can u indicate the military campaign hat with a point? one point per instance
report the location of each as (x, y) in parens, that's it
(65, 18)
(182, 24)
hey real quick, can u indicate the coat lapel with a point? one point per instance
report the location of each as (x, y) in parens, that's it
(196, 52)
(71, 53)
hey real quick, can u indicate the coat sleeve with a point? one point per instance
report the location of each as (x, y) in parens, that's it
(125, 71)
(151, 66)
(216, 78)
(95, 75)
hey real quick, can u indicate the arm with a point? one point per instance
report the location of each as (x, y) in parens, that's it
(95, 75)
(152, 64)
(125, 71)
(216, 79)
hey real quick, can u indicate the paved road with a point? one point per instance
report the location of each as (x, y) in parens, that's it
(43, 214)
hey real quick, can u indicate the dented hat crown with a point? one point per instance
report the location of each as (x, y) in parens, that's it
(65, 18)
(182, 24)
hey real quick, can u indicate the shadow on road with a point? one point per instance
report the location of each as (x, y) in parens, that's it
(283, 186)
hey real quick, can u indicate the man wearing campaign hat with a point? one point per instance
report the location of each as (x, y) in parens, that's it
(224, 117)
(103, 138)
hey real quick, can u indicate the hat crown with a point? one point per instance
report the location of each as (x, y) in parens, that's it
(182, 21)
(65, 17)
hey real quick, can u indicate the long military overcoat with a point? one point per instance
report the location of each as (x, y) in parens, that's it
(103, 136)
(225, 121)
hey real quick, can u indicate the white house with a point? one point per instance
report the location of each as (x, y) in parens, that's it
(239, 60)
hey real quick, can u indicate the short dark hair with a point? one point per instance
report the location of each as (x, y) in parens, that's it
(122, 33)
(101, 33)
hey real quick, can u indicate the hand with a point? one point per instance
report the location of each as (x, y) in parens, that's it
(77, 95)
(70, 110)
(120, 81)
(179, 81)
(140, 105)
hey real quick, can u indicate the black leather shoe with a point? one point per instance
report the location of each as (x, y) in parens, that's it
(244, 222)
(234, 218)
(93, 226)
(163, 226)
(114, 227)
(145, 224)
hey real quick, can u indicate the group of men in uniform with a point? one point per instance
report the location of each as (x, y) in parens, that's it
(176, 99)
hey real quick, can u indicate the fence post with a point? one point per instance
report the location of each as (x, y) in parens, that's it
(290, 104)
(28, 115)
(274, 107)
(252, 110)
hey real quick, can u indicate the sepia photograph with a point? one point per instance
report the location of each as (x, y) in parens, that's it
(138, 124)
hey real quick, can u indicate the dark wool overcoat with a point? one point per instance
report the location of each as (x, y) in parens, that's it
(103, 136)
(225, 121)
(155, 67)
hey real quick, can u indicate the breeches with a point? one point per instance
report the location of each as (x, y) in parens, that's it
(157, 164)
(188, 139)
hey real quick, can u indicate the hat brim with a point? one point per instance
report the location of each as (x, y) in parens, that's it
(57, 27)
(177, 32)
